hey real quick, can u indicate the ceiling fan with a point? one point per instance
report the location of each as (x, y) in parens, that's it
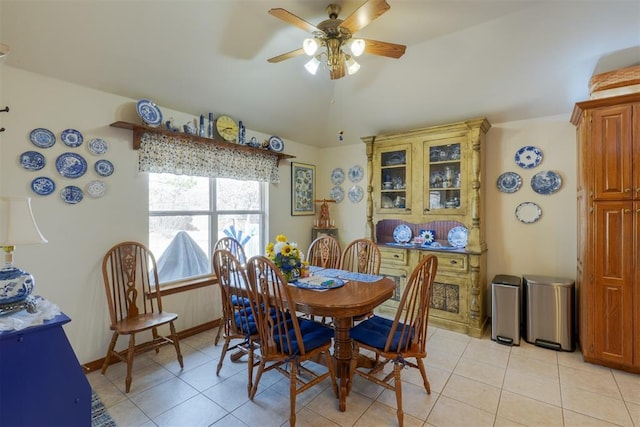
(333, 39)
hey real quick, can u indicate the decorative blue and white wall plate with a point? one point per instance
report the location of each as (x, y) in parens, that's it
(356, 173)
(355, 193)
(509, 182)
(97, 146)
(402, 233)
(71, 138)
(337, 176)
(32, 160)
(104, 167)
(71, 194)
(96, 189)
(528, 157)
(458, 237)
(337, 193)
(71, 165)
(43, 185)
(149, 112)
(546, 182)
(43, 138)
(528, 212)
(276, 144)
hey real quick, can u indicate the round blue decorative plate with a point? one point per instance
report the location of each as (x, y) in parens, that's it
(71, 138)
(337, 193)
(71, 194)
(104, 167)
(528, 157)
(509, 182)
(337, 176)
(43, 186)
(43, 138)
(276, 144)
(149, 112)
(528, 212)
(402, 233)
(32, 160)
(355, 193)
(71, 165)
(356, 173)
(97, 146)
(546, 182)
(458, 237)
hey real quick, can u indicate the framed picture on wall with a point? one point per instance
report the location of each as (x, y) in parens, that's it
(303, 189)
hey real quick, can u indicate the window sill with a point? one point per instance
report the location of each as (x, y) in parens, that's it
(188, 285)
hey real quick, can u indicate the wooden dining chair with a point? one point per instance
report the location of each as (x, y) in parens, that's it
(324, 252)
(396, 341)
(133, 294)
(287, 342)
(235, 247)
(361, 256)
(238, 322)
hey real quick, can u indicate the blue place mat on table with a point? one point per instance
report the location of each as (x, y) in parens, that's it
(359, 277)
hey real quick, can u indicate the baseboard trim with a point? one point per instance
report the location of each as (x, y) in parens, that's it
(96, 365)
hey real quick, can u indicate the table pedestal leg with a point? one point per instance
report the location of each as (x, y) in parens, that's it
(342, 352)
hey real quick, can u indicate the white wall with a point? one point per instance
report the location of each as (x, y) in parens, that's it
(68, 268)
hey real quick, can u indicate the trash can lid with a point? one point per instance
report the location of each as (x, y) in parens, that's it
(505, 279)
(547, 280)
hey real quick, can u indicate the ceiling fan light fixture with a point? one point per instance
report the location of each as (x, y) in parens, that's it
(356, 46)
(352, 65)
(310, 46)
(312, 65)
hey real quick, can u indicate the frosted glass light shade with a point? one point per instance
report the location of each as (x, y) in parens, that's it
(352, 66)
(312, 65)
(357, 47)
(310, 46)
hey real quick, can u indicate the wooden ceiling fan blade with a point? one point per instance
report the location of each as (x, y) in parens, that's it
(364, 15)
(391, 50)
(292, 19)
(287, 55)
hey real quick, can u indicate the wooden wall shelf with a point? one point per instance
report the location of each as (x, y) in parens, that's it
(139, 130)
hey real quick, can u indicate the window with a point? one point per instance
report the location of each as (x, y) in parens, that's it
(188, 214)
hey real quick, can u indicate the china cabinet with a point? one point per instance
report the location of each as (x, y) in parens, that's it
(431, 179)
(608, 276)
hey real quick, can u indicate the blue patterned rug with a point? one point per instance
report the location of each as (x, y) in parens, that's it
(99, 415)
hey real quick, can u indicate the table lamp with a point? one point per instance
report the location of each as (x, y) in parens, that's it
(17, 227)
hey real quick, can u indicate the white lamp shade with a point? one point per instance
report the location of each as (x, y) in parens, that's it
(357, 47)
(312, 65)
(310, 46)
(17, 224)
(352, 66)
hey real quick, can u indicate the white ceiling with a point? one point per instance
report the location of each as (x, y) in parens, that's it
(505, 60)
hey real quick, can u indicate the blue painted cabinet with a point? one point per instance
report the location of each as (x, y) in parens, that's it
(41, 380)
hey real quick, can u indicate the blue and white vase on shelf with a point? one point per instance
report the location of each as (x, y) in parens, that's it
(241, 133)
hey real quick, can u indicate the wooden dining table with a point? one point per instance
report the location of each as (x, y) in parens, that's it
(342, 304)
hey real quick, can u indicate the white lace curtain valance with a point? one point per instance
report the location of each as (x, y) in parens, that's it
(167, 154)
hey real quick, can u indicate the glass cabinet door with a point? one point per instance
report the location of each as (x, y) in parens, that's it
(393, 179)
(444, 178)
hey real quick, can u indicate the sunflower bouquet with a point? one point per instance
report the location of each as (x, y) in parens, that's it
(286, 256)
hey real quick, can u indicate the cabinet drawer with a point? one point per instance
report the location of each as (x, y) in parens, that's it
(452, 262)
(394, 256)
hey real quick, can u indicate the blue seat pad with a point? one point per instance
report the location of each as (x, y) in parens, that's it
(314, 335)
(375, 331)
(245, 319)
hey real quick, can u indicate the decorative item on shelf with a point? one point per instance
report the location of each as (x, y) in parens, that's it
(242, 130)
(227, 128)
(286, 256)
(276, 144)
(17, 227)
(202, 131)
(149, 112)
(189, 128)
(324, 219)
(170, 126)
(210, 127)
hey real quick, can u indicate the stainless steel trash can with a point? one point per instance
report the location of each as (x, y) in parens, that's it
(506, 312)
(548, 306)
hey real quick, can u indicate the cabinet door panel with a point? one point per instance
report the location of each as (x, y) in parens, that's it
(612, 153)
(392, 180)
(613, 281)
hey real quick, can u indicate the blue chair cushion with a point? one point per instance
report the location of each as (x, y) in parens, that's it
(245, 319)
(375, 331)
(313, 334)
(239, 301)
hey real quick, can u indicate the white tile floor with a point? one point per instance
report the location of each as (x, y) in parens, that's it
(474, 382)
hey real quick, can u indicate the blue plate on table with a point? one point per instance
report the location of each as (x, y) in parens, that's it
(331, 283)
(71, 165)
(43, 186)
